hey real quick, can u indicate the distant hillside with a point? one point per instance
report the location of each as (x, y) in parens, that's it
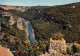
(18, 8)
(21, 8)
(65, 17)
(69, 17)
(47, 20)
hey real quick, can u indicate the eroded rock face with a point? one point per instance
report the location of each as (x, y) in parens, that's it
(5, 52)
(57, 47)
(20, 24)
(26, 30)
(11, 21)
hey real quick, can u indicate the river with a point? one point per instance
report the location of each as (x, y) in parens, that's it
(31, 32)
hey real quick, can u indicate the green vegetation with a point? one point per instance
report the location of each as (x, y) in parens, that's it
(48, 20)
(44, 30)
(33, 49)
(76, 48)
(69, 50)
(57, 36)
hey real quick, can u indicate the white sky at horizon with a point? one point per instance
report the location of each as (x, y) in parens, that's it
(36, 2)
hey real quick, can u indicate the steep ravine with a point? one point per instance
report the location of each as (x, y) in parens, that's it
(30, 31)
(24, 25)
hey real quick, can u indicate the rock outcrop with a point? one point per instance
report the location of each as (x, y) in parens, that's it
(25, 26)
(5, 52)
(11, 21)
(20, 23)
(46, 54)
(57, 47)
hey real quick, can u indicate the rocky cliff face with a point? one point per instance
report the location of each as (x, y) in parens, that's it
(57, 47)
(11, 21)
(13, 31)
(16, 22)
(20, 24)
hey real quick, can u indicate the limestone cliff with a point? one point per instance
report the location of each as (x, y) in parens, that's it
(18, 23)
(57, 47)
(21, 25)
(11, 21)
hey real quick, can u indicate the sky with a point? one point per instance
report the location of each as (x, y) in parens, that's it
(36, 2)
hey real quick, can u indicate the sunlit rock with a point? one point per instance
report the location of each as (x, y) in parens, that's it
(57, 46)
(19, 24)
(5, 51)
(11, 21)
